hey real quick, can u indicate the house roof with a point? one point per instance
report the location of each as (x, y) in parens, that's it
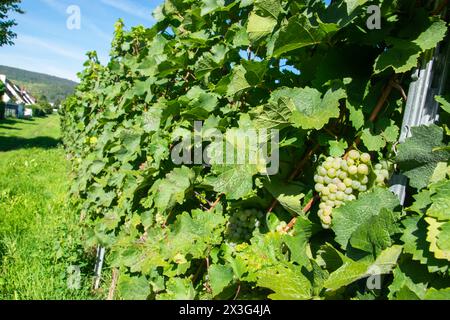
(16, 94)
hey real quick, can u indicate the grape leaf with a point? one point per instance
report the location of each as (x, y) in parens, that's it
(404, 54)
(417, 158)
(219, 277)
(289, 195)
(440, 207)
(133, 288)
(375, 233)
(269, 7)
(178, 289)
(415, 243)
(352, 271)
(438, 230)
(411, 275)
(299, 33)
(259, 26)
(194, 233)
(438, 294)
(445, 105)
(172, 189)
(337, 148)
(287, 283)
(372, 142)
(271, 116)
(348, 218)
(309, 110)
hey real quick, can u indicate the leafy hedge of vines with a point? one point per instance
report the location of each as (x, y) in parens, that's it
(312, 71)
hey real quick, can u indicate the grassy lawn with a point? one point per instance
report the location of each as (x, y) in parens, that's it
(39, 234)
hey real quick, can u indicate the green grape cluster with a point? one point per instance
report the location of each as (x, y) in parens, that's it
(339, 180)
(382, 173)
(242, 223)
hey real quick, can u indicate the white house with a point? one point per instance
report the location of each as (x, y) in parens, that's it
(16, 99)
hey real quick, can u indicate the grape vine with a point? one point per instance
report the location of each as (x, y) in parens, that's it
(330, 87)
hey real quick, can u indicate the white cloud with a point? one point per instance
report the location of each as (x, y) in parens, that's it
(74, 54)
(85, 22)
(130, 8)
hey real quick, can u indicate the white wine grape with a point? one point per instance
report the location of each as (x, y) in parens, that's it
(340, 180)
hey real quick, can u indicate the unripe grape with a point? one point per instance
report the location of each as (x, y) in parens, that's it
(378, 166)
(332, 196)
(336, 181)
(333, 188)
(365, 158)
(350, 162)
(379, 178)
(329, 159)
(322, 205)
(326, 219)
(325, 191)
(384, 173)
(330, 203)
(326, 226)
(324, 198)
(336, 164)
(319, 187)
(342, 175)
(327, 165)
(363, 169)
(348, 182)
(353, 154)
(327, 211)
(320, 213)
(322, 171)
(331, 172)
(341, 186)
(327, 180)
(340, 195)
(362, 188)
(353, 170)
(348, 191)
(365, 180)
(344, 165)
(355, 185)
(351, 197)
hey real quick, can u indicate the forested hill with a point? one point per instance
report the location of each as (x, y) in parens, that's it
(39, 84)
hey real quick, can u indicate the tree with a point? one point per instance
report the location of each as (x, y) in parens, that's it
(57, 103)
(44, 105)
(6, 24)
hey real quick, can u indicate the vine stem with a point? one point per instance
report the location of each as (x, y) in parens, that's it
(112, 288)
(216, 202)
(307, 207)
(296, 172)
(381, 102)
(439, 9)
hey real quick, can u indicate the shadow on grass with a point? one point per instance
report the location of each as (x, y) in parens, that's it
(16, 143)
(8, 127)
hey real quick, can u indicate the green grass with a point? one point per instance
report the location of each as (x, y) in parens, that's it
(39, 233)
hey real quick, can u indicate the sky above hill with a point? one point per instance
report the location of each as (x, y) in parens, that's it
(45, 44)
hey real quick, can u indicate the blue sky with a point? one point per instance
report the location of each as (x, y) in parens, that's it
(45, 44)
